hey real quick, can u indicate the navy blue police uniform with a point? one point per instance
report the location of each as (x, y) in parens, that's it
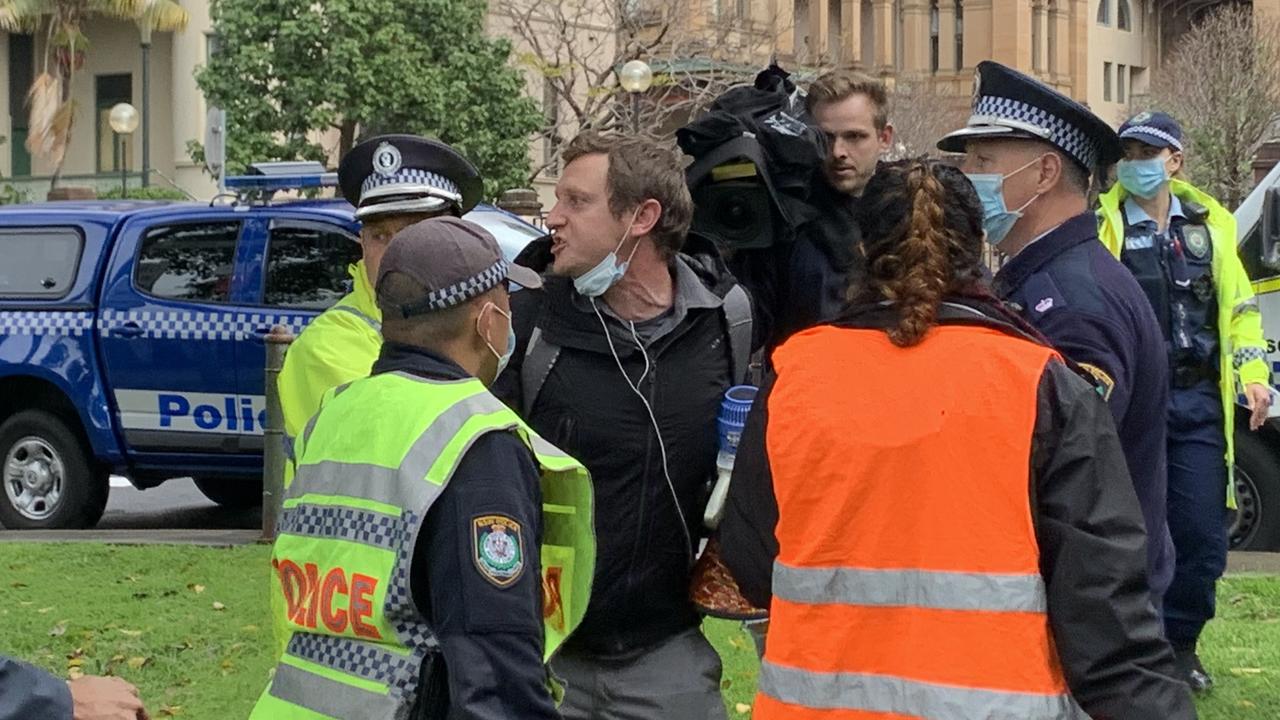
(1174, 267)
(1070, 287)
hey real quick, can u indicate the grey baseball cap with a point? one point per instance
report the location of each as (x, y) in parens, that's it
(455, 260)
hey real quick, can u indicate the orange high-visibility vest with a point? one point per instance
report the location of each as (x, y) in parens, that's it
(907, 583)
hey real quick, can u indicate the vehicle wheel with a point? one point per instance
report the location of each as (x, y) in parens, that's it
(235, 493)
(50, 480)
(1256, 524)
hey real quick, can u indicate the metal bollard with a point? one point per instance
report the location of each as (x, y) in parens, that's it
(273, 453)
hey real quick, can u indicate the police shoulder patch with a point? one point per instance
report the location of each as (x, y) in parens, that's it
(1104, 382)
(498, 548)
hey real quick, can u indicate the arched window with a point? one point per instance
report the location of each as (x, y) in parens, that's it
(1104, 12)
(1123, 21)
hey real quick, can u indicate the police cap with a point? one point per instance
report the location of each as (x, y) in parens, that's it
(1008, 104)
(398, 174)
(1156, 129)
(454, 260)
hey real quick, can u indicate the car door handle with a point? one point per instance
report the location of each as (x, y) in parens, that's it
(127, 330)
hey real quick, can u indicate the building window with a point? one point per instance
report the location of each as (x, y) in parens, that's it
(959, 34)
(1120, 78)
(1104, 12)
(868, 40)
(1123, 21)
(551, 110)
(1053, 37)
(109, 90)
(1106, 81)
(212, 44)
(933, 35)
(1037, 39)
(743, 8)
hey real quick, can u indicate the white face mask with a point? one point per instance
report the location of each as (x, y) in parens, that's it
(503, 358)
(596, 281)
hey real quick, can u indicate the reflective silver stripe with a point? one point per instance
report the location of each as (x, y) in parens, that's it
(444, 429)
(329, 697)
(546, 449)
(334, 522)
(887, 694)
(910, 588)
(372, 482)
(1244, 355)
(377, 326)
(359, 659)
(1250, 305)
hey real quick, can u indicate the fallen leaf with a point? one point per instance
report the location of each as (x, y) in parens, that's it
(1238, 672)
(131, 633)
(197, 589)
(1246, 704)
(250, 628)
(171, 710)
(742, 708)
(75, 673)
(219, 606)
(20, 585)
(59, 630)
(75, 662)
(42, 611)
(136, 663)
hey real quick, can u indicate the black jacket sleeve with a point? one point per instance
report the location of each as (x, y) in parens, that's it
(525, 308)
(27, 692)
(1093, 559)
(484, 596)
(748, 545)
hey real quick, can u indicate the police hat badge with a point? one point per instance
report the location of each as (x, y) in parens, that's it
(1196, 238)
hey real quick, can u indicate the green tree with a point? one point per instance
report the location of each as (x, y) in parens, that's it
(52, 110)
(290, 71)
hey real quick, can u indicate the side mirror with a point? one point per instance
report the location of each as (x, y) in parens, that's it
(1271, 229)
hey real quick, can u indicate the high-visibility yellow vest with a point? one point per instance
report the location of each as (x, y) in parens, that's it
(369, 466)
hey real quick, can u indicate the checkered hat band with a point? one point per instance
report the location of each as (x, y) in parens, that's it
(1153, 132)
(410, 177)
(456, 294)
(1070, 138)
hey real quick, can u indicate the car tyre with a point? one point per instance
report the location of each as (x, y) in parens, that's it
(1256, 522)
(49, 477)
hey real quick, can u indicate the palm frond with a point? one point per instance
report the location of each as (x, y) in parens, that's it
(163, 15)
(61, 132)
(22, 16)
(118, 9)
(44, 100)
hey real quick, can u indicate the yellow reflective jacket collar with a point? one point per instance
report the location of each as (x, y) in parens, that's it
(362, 296)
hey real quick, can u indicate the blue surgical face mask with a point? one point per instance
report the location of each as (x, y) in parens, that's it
(503, 358)
(997, 218)
(596, 281)
(1143, 178)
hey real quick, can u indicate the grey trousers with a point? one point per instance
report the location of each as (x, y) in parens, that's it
(678, 679)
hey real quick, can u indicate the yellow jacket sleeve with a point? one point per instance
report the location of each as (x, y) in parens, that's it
(1249, 347)
(335, 349)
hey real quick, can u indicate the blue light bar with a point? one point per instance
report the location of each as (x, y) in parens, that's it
(282, 182)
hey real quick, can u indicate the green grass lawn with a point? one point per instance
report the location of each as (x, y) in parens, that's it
(190, 627)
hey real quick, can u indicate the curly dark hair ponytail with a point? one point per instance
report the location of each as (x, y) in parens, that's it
(922, 236)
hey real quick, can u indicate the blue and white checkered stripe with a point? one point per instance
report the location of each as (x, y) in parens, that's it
(472, 287)
(40, 322)
(410, 176)
(1070, 138)
(1152, 131)
(186, 325)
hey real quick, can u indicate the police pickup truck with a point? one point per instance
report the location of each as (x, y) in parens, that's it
(131, 336)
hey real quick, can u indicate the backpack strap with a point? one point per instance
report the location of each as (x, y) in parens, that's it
(539, 357)
(737, 319)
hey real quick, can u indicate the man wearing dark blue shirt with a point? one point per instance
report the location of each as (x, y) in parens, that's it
(1029, 152)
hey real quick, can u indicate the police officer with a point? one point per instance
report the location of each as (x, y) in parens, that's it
(1181, 246)
(1029, 152)
(411, 543)
(393, 181)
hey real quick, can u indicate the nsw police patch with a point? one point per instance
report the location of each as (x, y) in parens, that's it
(1102, 381)
(1197, 239)
(498, 547)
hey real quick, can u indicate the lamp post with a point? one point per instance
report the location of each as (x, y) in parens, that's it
(124, 120)
(635, 77)
(146, 102)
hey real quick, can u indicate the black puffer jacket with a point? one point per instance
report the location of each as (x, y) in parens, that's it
(587, 408)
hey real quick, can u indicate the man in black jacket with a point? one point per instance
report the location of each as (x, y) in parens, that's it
(1089, 530)
(622, 359)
